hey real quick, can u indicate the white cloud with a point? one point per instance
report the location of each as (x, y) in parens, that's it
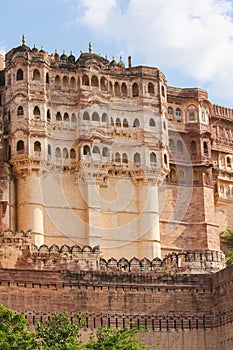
(192, 38)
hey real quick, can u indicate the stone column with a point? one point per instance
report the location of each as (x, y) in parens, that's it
(149, 240)
(94, 209)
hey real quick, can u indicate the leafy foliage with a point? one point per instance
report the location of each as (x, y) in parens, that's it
(227, 237)
(115, 339)
(13, 332)
(58, 332)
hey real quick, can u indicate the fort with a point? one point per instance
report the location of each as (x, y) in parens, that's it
(114, 189)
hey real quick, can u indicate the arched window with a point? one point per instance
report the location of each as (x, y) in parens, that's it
(86, 116)
(170, 112)
(104, 118)
(117, 89)
(165, 158)
(124, 89)
(178, 114)
(73, 118)
(96, 150)
(58, 152)
(136, 123)
(228, 159)
(72, 154)
(72, 83)
(57, 81)
(173, 175)
(151, 89)
(181, 175)
(118, 122)
(105, 152)
(171, 145)
(192, 115)
(103, 83)
(86, 150)
(117, 158)
(58, 117)
(48, 115)
(193, 147)
(49, 150)
(36, 74)
(65, 82)
(205, 147)
(20, 110)
(9, 116)
(47, 78)
(125, 123)
(36, 111)
(137, 159)
(66, 117)
(195, 176)
(124, 158)
(65, 153)
(163, 91)
(20, 146)
(152, 122)
(135, 90)
(180, 147)
(94, 81)
(85, 80)
(110, 87)
(153, 158)
(37, 146)
(19, 75)
(95, 117)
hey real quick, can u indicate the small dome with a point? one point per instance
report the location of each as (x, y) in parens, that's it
(63, 56)
(71, 58)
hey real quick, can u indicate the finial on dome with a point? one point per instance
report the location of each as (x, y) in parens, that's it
(23, 40)
(90, 47)
(113, 58)
(71, 53)
(55, 50)
(106, 57)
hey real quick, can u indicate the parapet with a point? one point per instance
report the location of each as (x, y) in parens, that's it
(18, 251)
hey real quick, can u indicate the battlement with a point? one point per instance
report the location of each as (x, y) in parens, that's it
(18, 251)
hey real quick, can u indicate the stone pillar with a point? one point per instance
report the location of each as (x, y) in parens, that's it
(94, 210)
(149, 241)
(30, 206)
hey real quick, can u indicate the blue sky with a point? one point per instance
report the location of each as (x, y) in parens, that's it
(190, 41)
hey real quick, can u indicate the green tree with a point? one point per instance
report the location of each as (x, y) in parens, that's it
(227, 237)
(59, 333)
(13, 332)
(115, 339)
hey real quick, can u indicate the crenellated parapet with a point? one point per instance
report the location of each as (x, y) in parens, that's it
(17, 250)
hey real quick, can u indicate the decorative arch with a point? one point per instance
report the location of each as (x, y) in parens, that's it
(73, 118)
(65, 153)
(36, 111)
(65, 82)
(180, 147)
(125, 123)
(19, 74)
(72, 83)
(124, 158)
(57, 152)
(104, 118)
(117, 157)
(135, 90)
(152, 122)
(124, 91)
(37, 146)
(48, 115)
(57, 81)
(86, 150)
(151, 88)
(20, 146)
(85, 80)
(94, 81)
(193, 147)
(96, 150)
(86, 116)
(116, 89)
(66, 117)
(137, 158)
(153, 158)
(20, 110)
(36, 75)
(118, 122)
(136, 123)
(105, 152)
(72, 153)
(95, 117)
(103, 84)
(58, 117)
